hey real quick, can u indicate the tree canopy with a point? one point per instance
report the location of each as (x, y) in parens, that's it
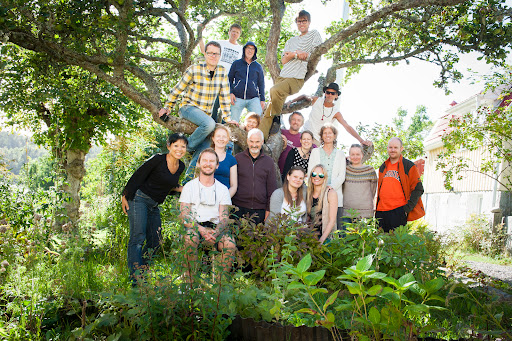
(141, 47)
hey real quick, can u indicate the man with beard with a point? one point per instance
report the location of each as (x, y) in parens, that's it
(325, 110)
(204, 205)
(257, 179)
(400, 189)
(291, 137)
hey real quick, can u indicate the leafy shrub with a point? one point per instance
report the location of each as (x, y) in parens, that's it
(255, 242)
(478, 236)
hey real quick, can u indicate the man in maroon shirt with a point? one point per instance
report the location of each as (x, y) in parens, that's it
(291, 137)
(257, 179)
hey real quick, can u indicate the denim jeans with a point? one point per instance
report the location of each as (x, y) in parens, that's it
(252, 105)
(189, 174)
(145, 226)
(205, 123)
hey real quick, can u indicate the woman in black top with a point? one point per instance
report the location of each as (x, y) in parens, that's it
(147, 188)
(299, 156)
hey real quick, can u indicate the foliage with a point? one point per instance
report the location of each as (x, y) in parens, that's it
(487, 127)
(256, 241)
(411, 134)
(477, 236)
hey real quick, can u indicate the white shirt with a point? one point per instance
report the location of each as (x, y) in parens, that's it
(315, 122)
(229, 53)
(205, 200)
(297, 68)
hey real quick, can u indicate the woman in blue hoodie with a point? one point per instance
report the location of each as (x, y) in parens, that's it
(247, 83)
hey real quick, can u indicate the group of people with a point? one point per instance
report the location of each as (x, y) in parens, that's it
(338, 189)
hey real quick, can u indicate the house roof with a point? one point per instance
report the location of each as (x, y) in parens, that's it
(441, 127)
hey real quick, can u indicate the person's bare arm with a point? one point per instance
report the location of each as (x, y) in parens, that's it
(188, 222)
(233, 180)
(351, 130)
(332, 198)
(287, 57)
(124, 204)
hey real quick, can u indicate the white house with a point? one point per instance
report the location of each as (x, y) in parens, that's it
(475, 193)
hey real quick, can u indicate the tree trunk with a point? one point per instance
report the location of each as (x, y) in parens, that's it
(74, 166)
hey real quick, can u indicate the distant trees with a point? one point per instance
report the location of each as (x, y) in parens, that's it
(411, 130)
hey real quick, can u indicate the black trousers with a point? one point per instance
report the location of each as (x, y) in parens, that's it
(390, 220)
(257, 216)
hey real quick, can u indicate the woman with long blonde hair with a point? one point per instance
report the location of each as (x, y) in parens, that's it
(321, 203)
(226, 173)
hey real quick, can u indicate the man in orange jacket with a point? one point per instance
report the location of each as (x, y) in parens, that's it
(400, 189)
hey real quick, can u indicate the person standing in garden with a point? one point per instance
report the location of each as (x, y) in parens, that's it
(295, 59)
(321, 203)
(291, 198)
(204, 209)
(146, 189)
(359, 187)
(256, 179)
(399, 189)
(334, 164)
(247, 83)
(291, 137)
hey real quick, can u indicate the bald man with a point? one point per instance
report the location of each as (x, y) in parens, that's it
(400, 189)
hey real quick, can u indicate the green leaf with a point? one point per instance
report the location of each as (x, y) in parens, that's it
(343, 307)
(330, 300)
(296, 285)
(353, 288)
(304, 264)
(434, 285)
(376, 289)
(317, 290)
(329, 317)
(307, 311)
(406, 279)
(417, 309)
(314, 277)
(377, 275)
(374, 315)
(364, 263)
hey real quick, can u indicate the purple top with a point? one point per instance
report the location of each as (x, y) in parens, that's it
(293, 141)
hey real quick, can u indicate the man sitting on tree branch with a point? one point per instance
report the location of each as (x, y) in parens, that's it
(295, 65)
(200, 85)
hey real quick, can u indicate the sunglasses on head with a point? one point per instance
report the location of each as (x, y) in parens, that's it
(331, 92)
(320, 175)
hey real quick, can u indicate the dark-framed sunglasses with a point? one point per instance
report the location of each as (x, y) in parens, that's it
(320, 175)
(331, 92)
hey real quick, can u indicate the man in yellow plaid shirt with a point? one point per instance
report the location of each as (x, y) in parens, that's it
(199, 87)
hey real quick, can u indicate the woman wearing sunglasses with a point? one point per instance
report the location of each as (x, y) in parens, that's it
(147, 188)
(291, 198)
(334, 163)
(321, 203)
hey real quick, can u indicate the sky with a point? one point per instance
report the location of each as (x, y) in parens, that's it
(377, 91)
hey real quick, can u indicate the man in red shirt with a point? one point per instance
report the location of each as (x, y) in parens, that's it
(291, 137)
(400, 189)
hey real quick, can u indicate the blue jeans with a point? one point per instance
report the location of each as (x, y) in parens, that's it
(145, 223)
(252, 105)
(189, 174)
(205, 123)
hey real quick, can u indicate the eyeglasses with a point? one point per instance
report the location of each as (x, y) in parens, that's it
(303, 21)
(320, 175)
(212, 54)
(330, 92)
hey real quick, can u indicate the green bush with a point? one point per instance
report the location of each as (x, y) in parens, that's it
(477, 236)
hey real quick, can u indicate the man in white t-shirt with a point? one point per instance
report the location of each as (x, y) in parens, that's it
(204, 205)
(230, 51)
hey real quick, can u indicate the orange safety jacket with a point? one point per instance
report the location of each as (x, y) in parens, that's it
(411, 185)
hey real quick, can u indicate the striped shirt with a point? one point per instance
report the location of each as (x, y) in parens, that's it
(297, 68)
(200, 91)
